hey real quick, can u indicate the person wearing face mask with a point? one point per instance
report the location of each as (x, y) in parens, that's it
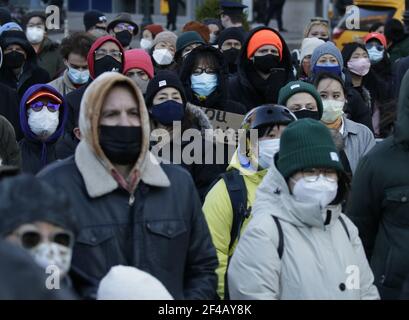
(10, 154)
(358, 139)
(185, 43)
(302, 99)
(237, 187)
(379, 81)
(163, 51)
(106, 54)
(138, 67)
(39, 222)
(122, 188)
(42, 116)
(148, 35)
(203, 75)
(48, 53)
(318, 28)
(264, 66)
(124, 29)
(298, 225)
(358, 66)
(307, 48)
(19, 69)
(326, 58)
(95, 23)
(10, 26)
(170, 110)
(74, 50)
(230, 42)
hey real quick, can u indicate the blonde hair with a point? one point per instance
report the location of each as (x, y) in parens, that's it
(317, 21)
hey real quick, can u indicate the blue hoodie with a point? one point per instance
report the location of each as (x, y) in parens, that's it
(36, 153)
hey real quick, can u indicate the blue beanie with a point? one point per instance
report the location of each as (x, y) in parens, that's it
(10, 25)
(326, 48)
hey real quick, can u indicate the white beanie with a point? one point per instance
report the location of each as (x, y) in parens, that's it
(129, 283)
(308, 46)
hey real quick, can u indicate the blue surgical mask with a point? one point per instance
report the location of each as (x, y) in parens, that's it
(327, 67)
(375, 55)
(78, 77)
(167, 112)
(204, 84)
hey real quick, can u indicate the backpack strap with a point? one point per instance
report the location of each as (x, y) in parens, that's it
(237, 190)
(345, 227)
(280, 248)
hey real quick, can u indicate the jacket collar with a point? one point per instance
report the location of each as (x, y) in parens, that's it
(350, 127)
(99, 181)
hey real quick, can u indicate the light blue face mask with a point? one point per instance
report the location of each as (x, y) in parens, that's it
(204, 84)
(375, 55)
(78, 77)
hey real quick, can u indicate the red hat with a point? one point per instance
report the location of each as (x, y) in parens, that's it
(262, 38)
(97, 44)
(378, 36)
(154, 29)
(138, 58)
(44, 93)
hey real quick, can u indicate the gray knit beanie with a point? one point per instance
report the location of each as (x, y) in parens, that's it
(326, 48)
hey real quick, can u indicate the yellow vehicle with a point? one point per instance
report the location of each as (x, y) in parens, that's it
(370, 12)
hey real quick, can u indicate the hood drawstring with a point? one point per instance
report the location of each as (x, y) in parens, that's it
(43, 154)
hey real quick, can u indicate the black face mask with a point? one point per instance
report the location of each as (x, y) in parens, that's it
(324, 39)
(14, 60)
(307, 114)
(121, 145)
(124, 37)
(106, 64)
(266, 63)
(230, 56)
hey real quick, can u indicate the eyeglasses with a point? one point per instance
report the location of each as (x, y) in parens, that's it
(378, 47)
(100, 53)
(124, 26)
(38, 106)
(32, 238)
(312, 175)
(199, 71)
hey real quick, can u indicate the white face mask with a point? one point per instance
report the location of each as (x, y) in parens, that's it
(35, 35)
(162, 57)
(213, 38)
(46, 254)
(266, 152)
(333, 110)
(146, 44)
(321, 192)
(43, 123)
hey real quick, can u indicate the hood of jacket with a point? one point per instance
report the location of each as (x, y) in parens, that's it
(18, 37)
(245, 64)
(99, 174)
(198, 117)
(188, 64)
(96, 45)
(24, 119)
(401, 133)
(274, 197)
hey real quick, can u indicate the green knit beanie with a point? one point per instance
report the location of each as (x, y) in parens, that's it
(296, 87)
(305, 144)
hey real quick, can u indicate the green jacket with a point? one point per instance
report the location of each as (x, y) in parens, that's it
(50, 59)
(219, 215)
(379, 204)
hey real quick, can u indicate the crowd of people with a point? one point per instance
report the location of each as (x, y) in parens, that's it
(315, 207)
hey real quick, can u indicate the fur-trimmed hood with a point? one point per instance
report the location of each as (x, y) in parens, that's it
(199, 117)
(99, 174)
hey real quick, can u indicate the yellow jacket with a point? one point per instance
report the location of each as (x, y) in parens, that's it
(219, 215)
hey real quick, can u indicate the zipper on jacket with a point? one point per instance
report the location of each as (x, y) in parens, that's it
(131, 199)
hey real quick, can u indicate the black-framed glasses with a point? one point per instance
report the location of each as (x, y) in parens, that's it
(312, 175)
(100, 53)
(38, 106)
(32, 238)
(199, 71)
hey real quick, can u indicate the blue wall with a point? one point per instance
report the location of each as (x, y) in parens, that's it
(83, 5)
